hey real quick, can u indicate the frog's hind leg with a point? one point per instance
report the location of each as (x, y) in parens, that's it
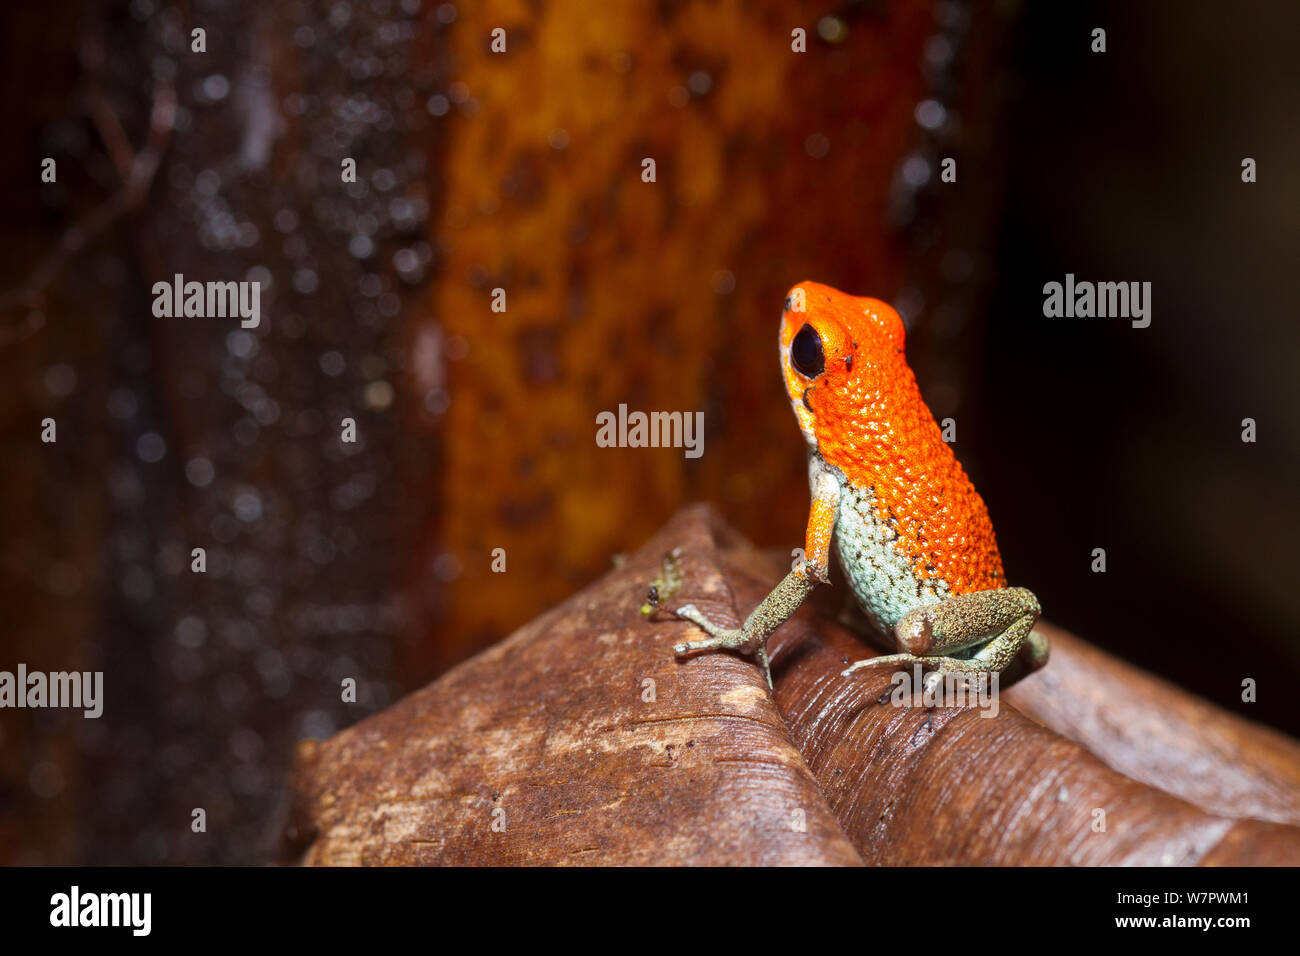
(1002, 620)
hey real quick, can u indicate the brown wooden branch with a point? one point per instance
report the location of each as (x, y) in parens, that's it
(1152, 731)
(583, 740)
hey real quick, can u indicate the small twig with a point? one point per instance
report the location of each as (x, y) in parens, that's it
(111, 132)
(137, 170)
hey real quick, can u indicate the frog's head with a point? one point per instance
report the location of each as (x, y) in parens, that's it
(836, 351)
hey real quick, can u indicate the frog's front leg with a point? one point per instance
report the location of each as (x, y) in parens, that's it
(1001, 619)
(784, 599)
(752, 636)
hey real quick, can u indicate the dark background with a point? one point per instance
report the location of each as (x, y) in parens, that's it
(1128, 167)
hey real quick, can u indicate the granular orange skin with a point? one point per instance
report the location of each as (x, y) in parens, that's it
(870, 422)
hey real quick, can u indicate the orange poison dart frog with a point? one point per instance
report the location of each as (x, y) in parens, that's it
(911, 532)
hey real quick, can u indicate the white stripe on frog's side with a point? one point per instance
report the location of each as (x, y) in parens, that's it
(801, 412)
(882, 580)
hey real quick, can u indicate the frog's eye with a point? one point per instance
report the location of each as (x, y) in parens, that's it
(806, 353)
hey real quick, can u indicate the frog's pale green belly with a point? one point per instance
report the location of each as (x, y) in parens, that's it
(882, 580)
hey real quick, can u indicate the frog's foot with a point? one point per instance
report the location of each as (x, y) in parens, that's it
(723, 638)
(931, 680)
(940, 665)
(751, 637)
(887, 660)
(746, 640)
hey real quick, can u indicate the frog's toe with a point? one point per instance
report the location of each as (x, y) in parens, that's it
(931, 681)
(722, 636)
(883, 661)
(725, 640)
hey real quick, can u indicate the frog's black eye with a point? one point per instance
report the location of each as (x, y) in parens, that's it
(806, 353)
